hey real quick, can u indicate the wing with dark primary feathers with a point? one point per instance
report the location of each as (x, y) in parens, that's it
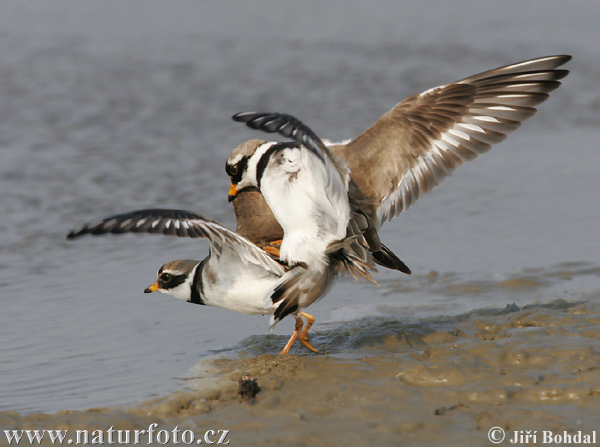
(423, 139)
(181, 223)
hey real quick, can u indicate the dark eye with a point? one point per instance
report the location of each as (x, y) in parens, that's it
(233, 169)
(165, 277)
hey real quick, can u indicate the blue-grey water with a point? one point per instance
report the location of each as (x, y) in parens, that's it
(109, 106)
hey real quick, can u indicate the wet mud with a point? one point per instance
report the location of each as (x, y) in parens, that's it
(450, 380)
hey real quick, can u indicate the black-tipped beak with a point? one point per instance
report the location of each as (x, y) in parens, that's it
(232, 192)
(152, 288)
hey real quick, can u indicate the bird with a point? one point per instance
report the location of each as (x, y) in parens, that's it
(407, 151)
(236, 275)
(306, 188)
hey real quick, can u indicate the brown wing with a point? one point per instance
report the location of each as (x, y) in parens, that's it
(411, 148)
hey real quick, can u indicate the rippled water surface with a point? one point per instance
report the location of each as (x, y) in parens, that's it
(107, 107)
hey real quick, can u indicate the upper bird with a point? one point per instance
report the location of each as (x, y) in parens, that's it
(400, 158)
(306, 189)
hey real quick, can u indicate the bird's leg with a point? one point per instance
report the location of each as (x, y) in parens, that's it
(297, 329)
(304, 335)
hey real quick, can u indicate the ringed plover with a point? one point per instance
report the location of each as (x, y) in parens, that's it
(236, 275)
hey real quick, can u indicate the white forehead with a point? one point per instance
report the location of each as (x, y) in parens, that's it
(175, 272)
(234, 160)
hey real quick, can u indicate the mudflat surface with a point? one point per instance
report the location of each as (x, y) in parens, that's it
(450, 381)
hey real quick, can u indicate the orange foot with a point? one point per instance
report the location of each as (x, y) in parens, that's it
(271, 250)
(302, 336)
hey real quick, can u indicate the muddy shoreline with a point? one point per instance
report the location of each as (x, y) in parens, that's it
(534, 368)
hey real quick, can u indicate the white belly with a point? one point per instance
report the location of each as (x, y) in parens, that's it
(238, 287)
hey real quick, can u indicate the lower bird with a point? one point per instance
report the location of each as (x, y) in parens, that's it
(236, 275)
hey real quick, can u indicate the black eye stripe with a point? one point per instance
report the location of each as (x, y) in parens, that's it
(241, 167)
(174, 281)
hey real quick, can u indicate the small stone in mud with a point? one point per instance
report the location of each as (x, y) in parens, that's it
(248, 387)
(443, 410)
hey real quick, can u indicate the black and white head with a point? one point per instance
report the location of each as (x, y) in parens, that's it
(177, 278)
(243, 168)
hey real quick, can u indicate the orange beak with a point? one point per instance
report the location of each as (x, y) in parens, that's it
(232, 192)
(152, 288)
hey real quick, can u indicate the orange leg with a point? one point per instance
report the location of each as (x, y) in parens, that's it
(303, 337)
(299, 324)
(277, 242)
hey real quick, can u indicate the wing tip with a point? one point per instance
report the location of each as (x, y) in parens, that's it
(73, 234)
(243, 117)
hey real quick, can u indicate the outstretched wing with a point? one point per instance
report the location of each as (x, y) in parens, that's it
(412, 147)
(182, 223)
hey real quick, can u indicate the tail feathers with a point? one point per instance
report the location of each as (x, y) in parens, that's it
(352, 257)
(386, 258)
(357, 266)
(297, 289)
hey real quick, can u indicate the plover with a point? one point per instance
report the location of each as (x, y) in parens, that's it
(307, 190)
(236, 275)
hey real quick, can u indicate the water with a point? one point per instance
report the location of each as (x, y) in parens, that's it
(106, 107)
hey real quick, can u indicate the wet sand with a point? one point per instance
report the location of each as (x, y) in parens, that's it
(446, 380)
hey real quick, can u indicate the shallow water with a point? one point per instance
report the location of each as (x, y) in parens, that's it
(105, 109)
